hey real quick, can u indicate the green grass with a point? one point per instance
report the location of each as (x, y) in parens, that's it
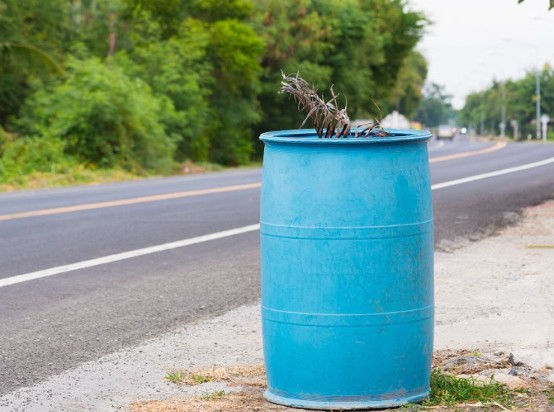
(175, 377)
(70, 177)
(212, 396)
(80, 175)
(450, 390)
(200, 378)
(186, 378)
(550, 394)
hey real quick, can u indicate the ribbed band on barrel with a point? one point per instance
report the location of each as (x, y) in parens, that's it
(306, 401)
(344, 233)
(348, 320)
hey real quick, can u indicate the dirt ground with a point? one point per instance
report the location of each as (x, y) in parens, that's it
(497, 293)
(245, 386)
(494, 317)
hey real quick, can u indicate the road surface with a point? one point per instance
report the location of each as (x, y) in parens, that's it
(52, 322)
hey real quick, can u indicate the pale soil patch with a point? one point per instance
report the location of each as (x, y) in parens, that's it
(234, 375)
(496, 294)
(246, 384)
(237, 402)
(493, 297)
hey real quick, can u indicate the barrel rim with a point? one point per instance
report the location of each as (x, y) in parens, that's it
(309, 136)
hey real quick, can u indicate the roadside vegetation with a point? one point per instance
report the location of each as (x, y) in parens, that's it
(450, 390)
(90, 88)
(102, 90)
(461, 381)
(483, 110)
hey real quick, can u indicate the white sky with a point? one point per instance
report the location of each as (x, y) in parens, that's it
(472, 42)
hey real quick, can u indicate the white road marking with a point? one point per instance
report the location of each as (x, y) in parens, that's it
(220, 235)
(492, 174)
(125, 255)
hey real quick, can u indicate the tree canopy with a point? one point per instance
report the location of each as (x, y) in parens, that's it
(140, 84)
(435, 108)
(483, 110)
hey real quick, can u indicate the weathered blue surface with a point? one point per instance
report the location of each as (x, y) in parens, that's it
(347, 269)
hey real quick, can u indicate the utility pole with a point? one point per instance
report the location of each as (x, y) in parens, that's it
(514, 125)
(503, 121)
(538, 98)
(544, 121)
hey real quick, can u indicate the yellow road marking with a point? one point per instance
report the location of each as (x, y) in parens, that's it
(190, 193)
(497, 146)
(125, 202)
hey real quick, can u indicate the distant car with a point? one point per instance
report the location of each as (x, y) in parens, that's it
(446, 132)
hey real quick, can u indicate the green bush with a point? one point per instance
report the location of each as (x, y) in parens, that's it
(104, 118)
(24, 156)
(178, 68)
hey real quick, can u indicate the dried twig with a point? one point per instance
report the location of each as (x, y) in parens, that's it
(327, 118)
(375, 128)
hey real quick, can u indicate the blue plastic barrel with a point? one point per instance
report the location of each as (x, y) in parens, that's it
(347, 269)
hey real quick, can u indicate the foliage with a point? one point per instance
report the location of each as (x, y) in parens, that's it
(105, 118)
(177, 68)
(235, 52)
(226, 74)
(407, 95)
(359, 47)
(32, 154)
(166, 13)
(139, 84)
(451, 390)
(67, 176)
(175, 377)
(435, 108)
(32, 35)
(550, 394)
(98, 28)
(483, 110)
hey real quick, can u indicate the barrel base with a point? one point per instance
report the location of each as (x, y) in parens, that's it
(342, 405)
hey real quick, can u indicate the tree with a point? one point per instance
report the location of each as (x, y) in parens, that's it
(228, 75)
(104, 118)
(99, 28)
(236, 51)
(483, 109)
(208, 70)
(359, 47)
(408, 93)
(435, 108)
(178, 68)
(32, 36)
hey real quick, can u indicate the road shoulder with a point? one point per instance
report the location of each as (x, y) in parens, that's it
(492, 296)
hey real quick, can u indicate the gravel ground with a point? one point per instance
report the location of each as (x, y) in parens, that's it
(492, 295)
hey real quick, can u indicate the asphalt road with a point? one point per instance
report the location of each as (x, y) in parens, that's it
(54, 323)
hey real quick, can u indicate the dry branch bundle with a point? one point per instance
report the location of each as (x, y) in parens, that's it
(327, 118)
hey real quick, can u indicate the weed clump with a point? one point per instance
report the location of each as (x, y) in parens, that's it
(452, 390)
